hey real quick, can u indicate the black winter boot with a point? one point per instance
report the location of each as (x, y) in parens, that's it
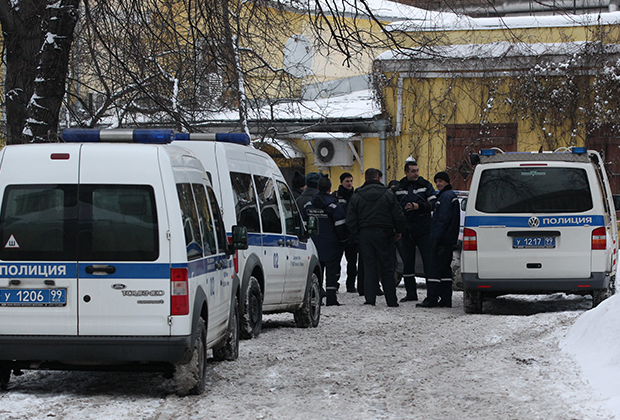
(445, 294)
(432, 295)
(412, 289)
(331, 298)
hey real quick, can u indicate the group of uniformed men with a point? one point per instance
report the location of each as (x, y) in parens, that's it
(373, 221)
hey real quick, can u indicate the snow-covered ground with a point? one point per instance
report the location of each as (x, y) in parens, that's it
(526, 358)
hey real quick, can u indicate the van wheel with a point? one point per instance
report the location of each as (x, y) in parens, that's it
(229, 350)
(472, 302)
(5, 377)
(191, 377)
(310, 312)
(252, 316)
(600, 295)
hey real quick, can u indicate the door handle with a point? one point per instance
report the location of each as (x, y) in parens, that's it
(100, 270)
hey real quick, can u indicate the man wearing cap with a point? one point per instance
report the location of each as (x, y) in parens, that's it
(299, 184)
(374, 214)
(416, 196)
(444, 236)
(312, 180)
(343, 194)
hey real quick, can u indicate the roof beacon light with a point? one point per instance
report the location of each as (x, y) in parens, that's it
(487, 152)
(239, 138)
(579, 150)
(149, 136)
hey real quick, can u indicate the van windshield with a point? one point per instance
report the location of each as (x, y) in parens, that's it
(534, 190)
(56, 223)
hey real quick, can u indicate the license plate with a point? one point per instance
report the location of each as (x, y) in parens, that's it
(535, 242)
(33, 297)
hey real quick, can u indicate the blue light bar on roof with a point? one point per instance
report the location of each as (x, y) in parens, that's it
(487, 152)
(239, 138)
(579, 150)
(149, 136)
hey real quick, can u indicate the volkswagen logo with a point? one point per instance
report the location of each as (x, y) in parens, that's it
(533, 222)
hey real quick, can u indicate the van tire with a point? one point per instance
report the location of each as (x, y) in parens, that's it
(191, 377)
(472, 302)
(309, 314)
(252, 315)
(600, 295)
(229, 350)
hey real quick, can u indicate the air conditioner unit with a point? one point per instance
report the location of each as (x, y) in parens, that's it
(329, 152)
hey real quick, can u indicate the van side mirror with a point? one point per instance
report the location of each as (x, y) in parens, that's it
(464, 204)
(239, 237)
(617, 202)
(312, 225)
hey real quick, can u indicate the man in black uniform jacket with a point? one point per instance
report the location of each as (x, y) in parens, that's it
(374, 214)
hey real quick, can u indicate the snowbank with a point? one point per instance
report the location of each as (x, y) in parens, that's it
(594, 341)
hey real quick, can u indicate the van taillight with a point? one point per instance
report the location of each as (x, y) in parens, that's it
(599, 238)
(470, 242)
(179, 297)
(235, 256)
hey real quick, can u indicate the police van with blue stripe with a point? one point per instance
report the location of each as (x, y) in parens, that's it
(280, 271)
(114, 255)
(539, 223)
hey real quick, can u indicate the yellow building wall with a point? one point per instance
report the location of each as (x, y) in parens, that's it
(328, 65)
(429, 104)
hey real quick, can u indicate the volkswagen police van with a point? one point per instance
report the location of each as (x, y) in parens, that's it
(539, 223)
(280, 271)
(114, 255)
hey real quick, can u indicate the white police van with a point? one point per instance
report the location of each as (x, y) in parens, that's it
(279, 271)
(113, 255)
(539, 223)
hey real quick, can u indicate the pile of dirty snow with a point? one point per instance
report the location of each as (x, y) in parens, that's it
(594, 341)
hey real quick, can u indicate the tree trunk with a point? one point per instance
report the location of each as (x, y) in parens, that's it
(49, 86)
(37, 42)
(22, 41)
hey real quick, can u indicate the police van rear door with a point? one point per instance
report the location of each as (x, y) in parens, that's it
(535, 220)
(124, 256)
(38, 284)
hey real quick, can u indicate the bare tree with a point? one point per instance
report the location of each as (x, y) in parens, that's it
(182, 62)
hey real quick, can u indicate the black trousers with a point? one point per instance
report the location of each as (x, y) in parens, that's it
(409, 244)
(332, 273)
(350, 253)
(440, 275)
(378, 251)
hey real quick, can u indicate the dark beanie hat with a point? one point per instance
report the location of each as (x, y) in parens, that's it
(298, 180)
(345, 175)
(442, 175)
(312, 179)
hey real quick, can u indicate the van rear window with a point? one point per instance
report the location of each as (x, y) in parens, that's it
(534, 190)
(107, 222)
(117, 223)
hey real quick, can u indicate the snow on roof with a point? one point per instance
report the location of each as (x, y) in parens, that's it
(327, 135)
(356, 105)
(501, 49)
(382, 9)
(359, 104)
(512, 22)
(285, 147)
